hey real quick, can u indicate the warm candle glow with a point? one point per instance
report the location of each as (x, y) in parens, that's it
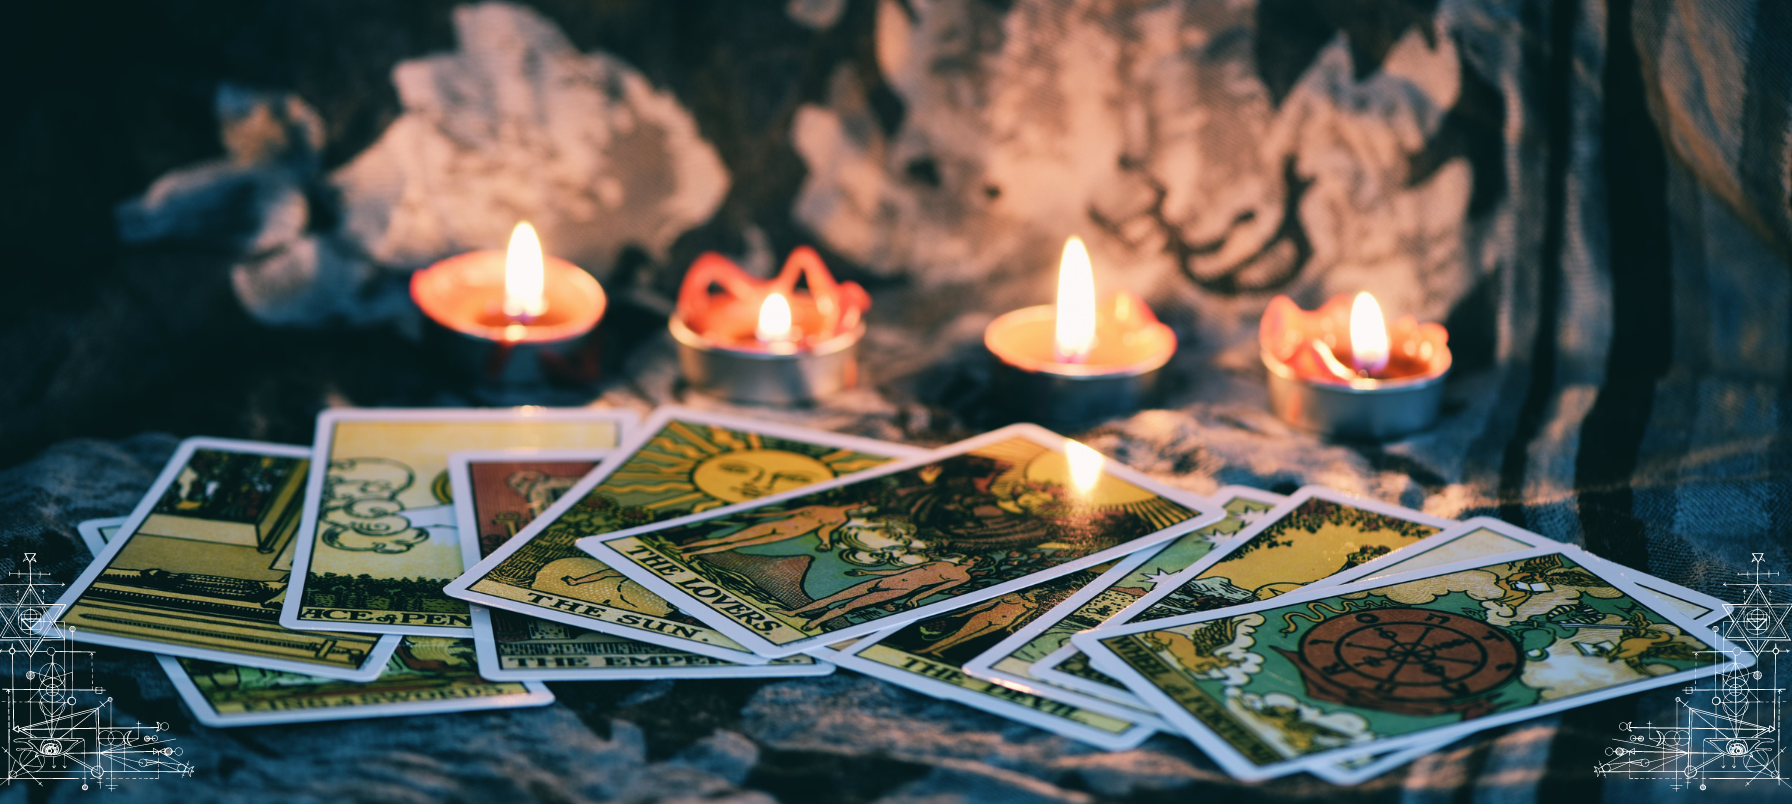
(523, 298)
(1368, 336)
(774, 320)
(1085, 466)
(1074, 336)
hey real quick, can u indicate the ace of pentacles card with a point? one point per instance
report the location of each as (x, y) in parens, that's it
(973, 521)
(379, 536)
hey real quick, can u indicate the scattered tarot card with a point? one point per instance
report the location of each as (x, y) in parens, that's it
(928, 656)
(1485, 537)
(378, 539)
(425, 676)
(909, 541)
(681, 461)
(496, 495)
(200, 567)
(1311, 536)
(1010, 661)
(1424, 658)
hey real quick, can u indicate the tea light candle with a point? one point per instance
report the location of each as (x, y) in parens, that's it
(1341, 370)
(1077, 362)
(513, 316)
(764, 341)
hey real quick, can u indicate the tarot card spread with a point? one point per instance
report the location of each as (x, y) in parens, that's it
(379, 539)
(199, 569)
(1313, 535)
(1009, 662)
(974, 521)
(682, 461)
(496, 495)
(1269, 688)
(427, 675)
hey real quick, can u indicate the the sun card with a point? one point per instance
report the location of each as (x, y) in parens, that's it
(496, 495)
(1010, 661)
(927, 656)
(1309, 537)
(1272, 687)
(681, 461)
(425, 676)
(199, 568)
(973, 521)
(379, 539)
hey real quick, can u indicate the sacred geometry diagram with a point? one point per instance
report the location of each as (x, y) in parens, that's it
(1727, 732)
(57, 726)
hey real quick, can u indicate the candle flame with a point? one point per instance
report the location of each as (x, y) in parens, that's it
(523, 298)
(1085, 466)
(1074, 337)
(1368, 336)
(774, 320)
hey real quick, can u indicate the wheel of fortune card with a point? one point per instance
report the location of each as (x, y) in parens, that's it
(1406, 660)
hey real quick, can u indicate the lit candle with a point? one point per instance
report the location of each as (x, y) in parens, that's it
(1342, 370)
(765, 341)
(1078, 361)
(517, 316)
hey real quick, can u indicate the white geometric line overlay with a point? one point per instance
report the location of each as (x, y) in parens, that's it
(56, 729)
(1729, 731)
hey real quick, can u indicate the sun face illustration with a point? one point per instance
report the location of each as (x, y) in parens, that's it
(697, 467)
(1080, 473)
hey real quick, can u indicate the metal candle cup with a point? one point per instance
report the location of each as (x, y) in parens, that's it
(763, 341)
(1311, 386)
(463, 296)
(1119, 377)
(768, 377)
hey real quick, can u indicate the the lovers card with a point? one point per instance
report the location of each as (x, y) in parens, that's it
(1269, 688)
(200, 568)
(968, 523)
(379, 535)
(681, 461)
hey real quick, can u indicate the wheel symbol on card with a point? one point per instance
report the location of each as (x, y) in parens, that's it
(1407, 661)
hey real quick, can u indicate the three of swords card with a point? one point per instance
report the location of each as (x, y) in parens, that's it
(680, 462)
(971, 522)
(379, 538)
(1270, 688)
(201, 567)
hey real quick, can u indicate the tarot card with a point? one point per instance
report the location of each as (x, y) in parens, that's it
(970, 522)
(927, 656)
(1010, 662)
(199, 568)
(681, 461)
(426, 676)
(1310, 537)
(1423, 658)
(379, 539)
(95, 533)
(497, 494)
(1485, 537)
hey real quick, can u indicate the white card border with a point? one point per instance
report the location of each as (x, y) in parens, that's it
(370, 668)
(306, 538)
(460, 587)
